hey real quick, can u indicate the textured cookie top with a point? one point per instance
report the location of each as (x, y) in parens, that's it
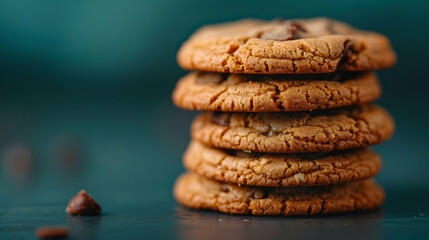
(318, 45)
(274, 93)
(197, 192)
(273, 170)
(289, 132)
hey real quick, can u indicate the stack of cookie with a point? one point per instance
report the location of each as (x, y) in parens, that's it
(289, 117)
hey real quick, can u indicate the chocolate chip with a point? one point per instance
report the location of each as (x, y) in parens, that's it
(314, 155)
(52, 232)
(297, 27)
(224, 188)
(210, 78)
(347, 51)
(245, 154)
(83, 205)
(221, 119)
(289, 30)
(259, 194)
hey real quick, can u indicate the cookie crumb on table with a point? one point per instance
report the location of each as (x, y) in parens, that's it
(52, 232)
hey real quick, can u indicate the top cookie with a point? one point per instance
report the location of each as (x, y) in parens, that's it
(317, 45)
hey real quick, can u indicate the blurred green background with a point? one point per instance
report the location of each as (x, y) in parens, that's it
(85, 92)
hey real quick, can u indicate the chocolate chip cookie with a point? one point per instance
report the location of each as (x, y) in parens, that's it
(292, 132)
(274, 170)
(317, 45)
(274, 93)
(197, 192)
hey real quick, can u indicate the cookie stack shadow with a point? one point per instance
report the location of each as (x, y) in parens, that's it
(289, 117)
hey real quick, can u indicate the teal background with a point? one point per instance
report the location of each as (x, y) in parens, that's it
(96, 77)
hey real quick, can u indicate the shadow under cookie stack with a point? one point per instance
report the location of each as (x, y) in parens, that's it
(288, 117)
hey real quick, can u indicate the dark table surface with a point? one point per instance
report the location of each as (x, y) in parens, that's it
(160, 218)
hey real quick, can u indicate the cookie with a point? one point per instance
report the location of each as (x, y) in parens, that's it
(197, 192)
(274, 93)
(317, 45)
(287, 170)
(290, 132)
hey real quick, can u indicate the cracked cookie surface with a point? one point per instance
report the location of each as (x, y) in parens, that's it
(274, 93)
(318, 45)
(197, 192)
(287, 170)
(292, 132)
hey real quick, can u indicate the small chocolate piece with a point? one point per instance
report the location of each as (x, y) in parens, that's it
(295, 27)
(211, 78)
(345, 54)
(52, 232)
(221, 119)
(259, 194)
(224, 188)
(288, 31)
(245, 154)
(83, 205)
